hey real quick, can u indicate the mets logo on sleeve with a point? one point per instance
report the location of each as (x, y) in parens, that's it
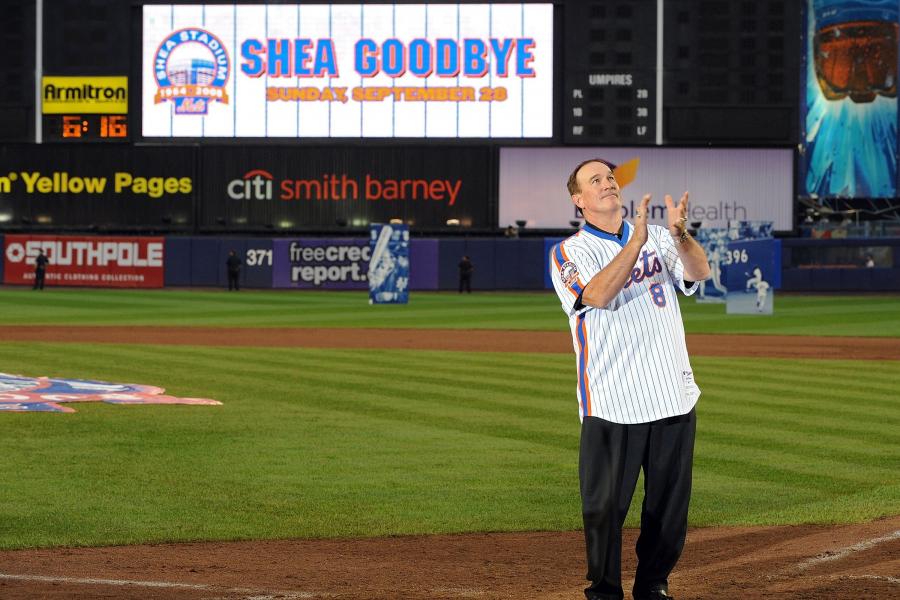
(191, 67)
(568, 273)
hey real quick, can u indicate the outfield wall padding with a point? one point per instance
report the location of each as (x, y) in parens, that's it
(504, 264)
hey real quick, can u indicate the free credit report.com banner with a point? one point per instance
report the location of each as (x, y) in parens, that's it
(319, 71)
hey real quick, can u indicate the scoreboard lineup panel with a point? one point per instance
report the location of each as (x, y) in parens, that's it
(688, 72)
(610, 59)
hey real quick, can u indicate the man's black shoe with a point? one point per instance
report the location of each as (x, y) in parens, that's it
(657, 592)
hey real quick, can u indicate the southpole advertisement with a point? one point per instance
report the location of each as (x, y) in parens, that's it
(89, 261)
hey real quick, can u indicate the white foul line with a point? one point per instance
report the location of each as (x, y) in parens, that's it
(161, 584)
(875, 577)
(829, 556)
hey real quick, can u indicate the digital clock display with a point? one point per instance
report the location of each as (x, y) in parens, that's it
(86, 128)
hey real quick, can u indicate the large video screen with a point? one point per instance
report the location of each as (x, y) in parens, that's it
(343, 71)
(725, 184)
(849, 141)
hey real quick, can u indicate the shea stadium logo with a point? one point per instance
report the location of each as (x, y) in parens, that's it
(43, 394)
(191, 67)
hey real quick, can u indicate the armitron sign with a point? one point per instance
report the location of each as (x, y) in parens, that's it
(84, 95)
(86, 261)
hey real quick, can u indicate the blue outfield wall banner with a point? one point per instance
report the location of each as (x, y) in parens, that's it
(320, 263)
(200, 261)
(388, 273)
(343, 263)
(751, 261)
(423, 264)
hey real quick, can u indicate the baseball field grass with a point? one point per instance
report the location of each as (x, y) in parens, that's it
(325, 443)
(871, 315)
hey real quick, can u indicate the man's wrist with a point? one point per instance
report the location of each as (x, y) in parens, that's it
(680, 236)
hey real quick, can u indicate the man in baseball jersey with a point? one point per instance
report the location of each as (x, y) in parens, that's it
(636, 392)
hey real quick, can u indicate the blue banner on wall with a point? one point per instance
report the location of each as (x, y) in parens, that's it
(389, 264)
(752, 261)
(753, 273)
(320, 263)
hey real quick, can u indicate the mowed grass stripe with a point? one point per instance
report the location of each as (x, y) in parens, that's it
(801, 443)
(763, 405)
(453, 386)
(879, 374)
(810, 418)
(790, 466)
(714, 459)
(865, 505)
(796, 398)
(877, 316)
(287, 309)
(814, 315)
(513, 391)
(789, 384)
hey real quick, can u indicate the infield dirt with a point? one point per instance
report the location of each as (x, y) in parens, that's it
(797, 562)
(469, 340)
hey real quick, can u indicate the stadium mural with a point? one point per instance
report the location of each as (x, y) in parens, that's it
(849, 117)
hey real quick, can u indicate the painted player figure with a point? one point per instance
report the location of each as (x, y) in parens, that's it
(715, 271)
(762, 288)
(636, 392)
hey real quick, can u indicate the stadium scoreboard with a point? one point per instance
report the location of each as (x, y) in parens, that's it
(609, 77)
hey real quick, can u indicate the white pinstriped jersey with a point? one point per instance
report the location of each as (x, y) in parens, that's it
(631, 355)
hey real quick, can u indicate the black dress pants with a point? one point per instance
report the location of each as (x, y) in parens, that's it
(610, 460)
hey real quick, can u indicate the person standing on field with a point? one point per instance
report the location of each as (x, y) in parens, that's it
(233, 264)
(465, 274)
(40, 270)
(617, 282)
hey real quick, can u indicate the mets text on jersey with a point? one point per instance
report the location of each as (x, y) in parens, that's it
(649, 269)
